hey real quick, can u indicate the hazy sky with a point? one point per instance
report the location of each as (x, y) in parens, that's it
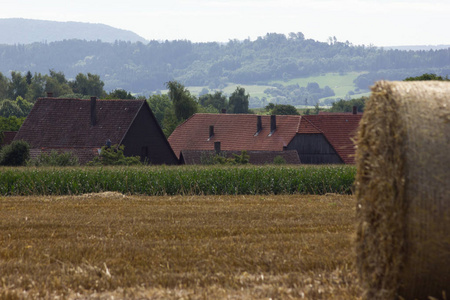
(377, 22)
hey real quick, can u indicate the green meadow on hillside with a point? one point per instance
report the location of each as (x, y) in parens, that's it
(341, 84)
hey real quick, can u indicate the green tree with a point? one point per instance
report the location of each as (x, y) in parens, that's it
(4, 84)
(120, 94)
(170, 121)
(89, 85)
(18, 108)
(217, 100)
(57, 84)
(18, 85)
(427, 76)
(36, 88)
(11, 123)
(284, 109)
(159, 104)
(347, 105)
(10, 108)
(28, 77)
(15, 154)
(24, 105)
(184, 104)
(269, 107)
(238, 101)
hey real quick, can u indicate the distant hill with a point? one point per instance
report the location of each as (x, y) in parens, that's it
(27, 31)
(274, 61)
(418, 47)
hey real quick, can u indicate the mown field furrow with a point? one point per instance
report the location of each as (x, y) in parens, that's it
(168, 247)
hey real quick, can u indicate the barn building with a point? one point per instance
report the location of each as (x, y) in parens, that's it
(326, 138)
(317, 139)
(84, 126)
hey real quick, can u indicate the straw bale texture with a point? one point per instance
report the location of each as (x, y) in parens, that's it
(402, 187)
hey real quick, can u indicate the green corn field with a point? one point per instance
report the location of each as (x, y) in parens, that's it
(184, 180)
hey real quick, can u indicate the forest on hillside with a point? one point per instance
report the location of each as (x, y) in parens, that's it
(145, 68)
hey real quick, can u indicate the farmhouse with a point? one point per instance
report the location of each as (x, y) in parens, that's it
(317, 139)
(84, 126)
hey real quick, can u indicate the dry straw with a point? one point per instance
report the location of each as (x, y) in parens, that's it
(402, 187)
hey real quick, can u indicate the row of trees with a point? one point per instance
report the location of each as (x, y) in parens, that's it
(179, 104)
(143, 68)
(32, 86)
(18, 94)
(170, 109)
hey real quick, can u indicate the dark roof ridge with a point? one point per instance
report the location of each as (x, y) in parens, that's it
(131, 123)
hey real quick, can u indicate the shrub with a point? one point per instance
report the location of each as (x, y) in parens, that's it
(15, 154)
(241, 159)
(113, 156)
(54, 159)
(279, 160)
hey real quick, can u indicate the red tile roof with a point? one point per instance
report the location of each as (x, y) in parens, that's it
(234, 132)
(237, 132)
(67, 122)
(339, 129)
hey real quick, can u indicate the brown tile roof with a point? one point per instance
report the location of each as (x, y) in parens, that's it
(67, 122)
(196, 157)
(8, 137)
(237, 132)
(234, 131)
(339, 129)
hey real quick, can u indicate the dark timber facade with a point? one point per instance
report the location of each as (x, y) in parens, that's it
(314, 148)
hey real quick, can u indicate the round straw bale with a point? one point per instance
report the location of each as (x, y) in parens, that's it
(402, 191)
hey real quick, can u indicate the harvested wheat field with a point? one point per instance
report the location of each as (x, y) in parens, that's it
(107, 246)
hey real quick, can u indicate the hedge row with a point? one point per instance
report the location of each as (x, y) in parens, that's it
(214, 180)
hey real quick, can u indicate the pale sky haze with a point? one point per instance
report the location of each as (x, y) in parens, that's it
(376, 22)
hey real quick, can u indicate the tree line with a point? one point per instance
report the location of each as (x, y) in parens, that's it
(17, 96)
(143, 68)
(19, 93)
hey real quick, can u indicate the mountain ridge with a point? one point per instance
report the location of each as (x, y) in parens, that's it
(27, 31)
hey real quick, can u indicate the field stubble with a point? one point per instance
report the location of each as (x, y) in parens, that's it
(193, 247)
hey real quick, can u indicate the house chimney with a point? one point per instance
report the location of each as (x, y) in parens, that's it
(355, 110)
(211, 131)
(224, 110)
(217, 147)
(258, 124)
(49, 94)
(273, 123)
(93, 111)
